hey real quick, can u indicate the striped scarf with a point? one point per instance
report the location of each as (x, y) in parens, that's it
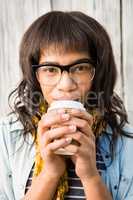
(97, 128)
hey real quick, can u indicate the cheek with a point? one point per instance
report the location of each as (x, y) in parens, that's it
(83, 90)
(85, 87)
(46, 91)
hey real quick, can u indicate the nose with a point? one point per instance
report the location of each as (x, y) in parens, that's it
(66, 83)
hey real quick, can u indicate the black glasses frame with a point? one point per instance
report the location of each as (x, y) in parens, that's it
(65, 67)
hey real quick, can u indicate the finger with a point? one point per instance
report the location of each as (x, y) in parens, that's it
(53, 118)
(81, 124)
(82, 114)
(57, 144)
(56, 133)
(86, 144)
(81, 138)
(50, 119)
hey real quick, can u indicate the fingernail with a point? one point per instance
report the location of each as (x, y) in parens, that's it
(65, 116)
(68, 140)
(73, 128)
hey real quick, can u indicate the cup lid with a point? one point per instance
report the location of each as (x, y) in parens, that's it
(66, 104)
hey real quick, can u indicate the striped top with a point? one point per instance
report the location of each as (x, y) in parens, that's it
(76, 191)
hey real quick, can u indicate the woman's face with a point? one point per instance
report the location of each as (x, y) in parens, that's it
(66, 88)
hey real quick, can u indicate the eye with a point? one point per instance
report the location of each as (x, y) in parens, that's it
(81, 68)
(49, 70)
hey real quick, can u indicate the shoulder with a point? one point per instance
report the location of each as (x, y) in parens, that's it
(11, 130)
(127, 147)
(123, 147)
(124, 151)
(12, 135)
(11, 122)
(10, 125)
(125, 138)
(125, 144)
(120, 171)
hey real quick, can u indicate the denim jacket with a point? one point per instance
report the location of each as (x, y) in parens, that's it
(17, 158)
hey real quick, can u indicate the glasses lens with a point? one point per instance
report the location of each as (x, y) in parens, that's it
(82, 70)
(48, 75)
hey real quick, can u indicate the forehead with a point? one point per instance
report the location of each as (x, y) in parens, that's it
(62, 58)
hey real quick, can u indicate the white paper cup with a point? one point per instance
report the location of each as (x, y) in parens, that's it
(67, 104)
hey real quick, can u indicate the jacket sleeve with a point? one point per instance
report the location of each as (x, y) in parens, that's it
(6, 187)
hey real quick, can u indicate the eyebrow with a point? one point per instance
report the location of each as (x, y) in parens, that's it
(56, 63)
(83, 60)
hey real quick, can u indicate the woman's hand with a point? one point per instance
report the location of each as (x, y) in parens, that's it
(51, 139)
(85, 154)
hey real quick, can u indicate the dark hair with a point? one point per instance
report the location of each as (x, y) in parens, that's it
(68, 32)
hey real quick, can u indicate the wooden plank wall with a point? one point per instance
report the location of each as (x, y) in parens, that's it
(116, 16)
(127, 55)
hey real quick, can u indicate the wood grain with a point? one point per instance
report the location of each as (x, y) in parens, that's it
(127, 30)
(15, 17)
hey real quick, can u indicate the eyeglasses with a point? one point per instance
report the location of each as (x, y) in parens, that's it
(50, 74)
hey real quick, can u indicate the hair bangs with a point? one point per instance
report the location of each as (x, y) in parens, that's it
(63, 34)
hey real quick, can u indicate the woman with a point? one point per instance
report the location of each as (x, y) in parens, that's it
(66, 56)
